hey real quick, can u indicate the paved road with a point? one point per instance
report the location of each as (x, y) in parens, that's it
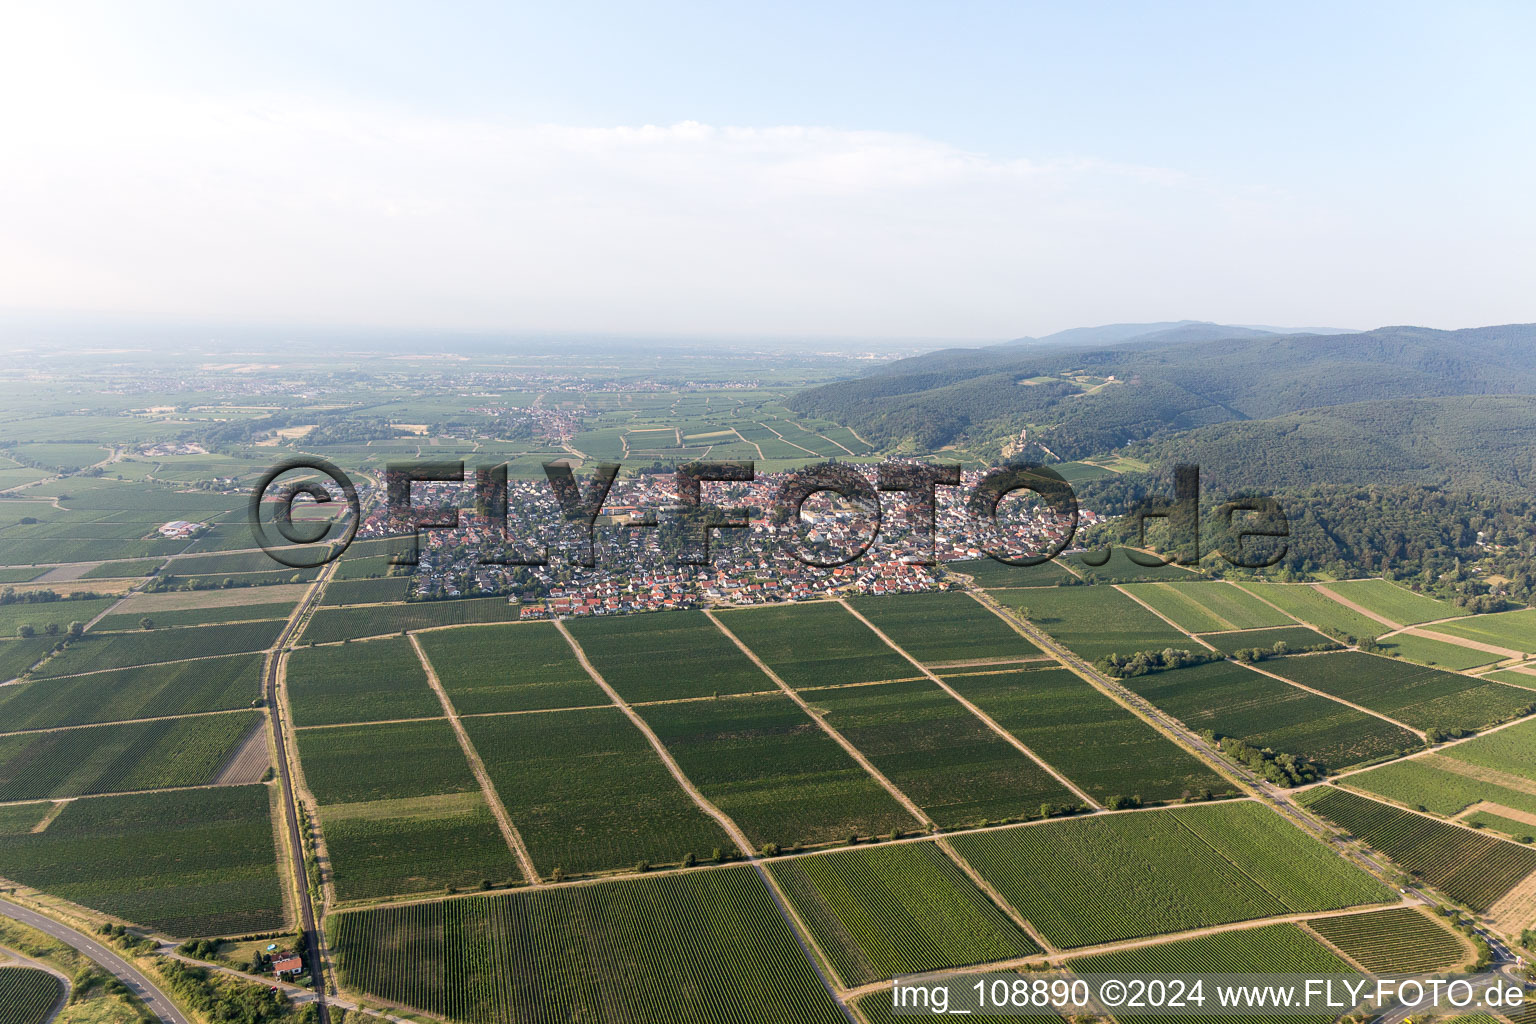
(156, 1000)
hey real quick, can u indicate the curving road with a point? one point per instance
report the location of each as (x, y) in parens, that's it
(157, 1001)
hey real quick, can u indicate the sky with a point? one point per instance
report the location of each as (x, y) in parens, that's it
(966, 171)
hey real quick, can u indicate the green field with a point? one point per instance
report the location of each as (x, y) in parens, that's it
(1424, 698)
(195, 862)
(120, 758)
(1091, 880)
(156, 691)
(1440, 653)
(1467, 866)
(944, 629)
(1088, 737)
(1095, 621)
(371, 681)
(1281, 948)
(989, 572)
(1515, 631)
(943, 757)
(331, 624)
(515, 667)
(767, 765)
(1317, 609)
(1205, 607)
(697, 948)
(398, 847)
(817, 644)
(93, 653)
(1391, 601)
(667, 655)
(1234, 701)
(1297, 638)
(1427, 784)
(358, 764)
(886, 911)
(27, 995)
(1398, 941)
(588, 793)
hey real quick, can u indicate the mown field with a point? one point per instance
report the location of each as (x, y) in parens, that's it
(356, 764)
(399, 847)
(1234, 701)
(194, 862)
(156, 691)
(1467, 866)
(514, 667)
(1317, 609)
(1424, 698)
(1295, 637)
(944, 628)
(1206, 607)
(332, 624)
(943, 757)
(817, 644)
(1085, 735)
(368, 681)
(588, 793)
(124, 650)
(120, 758)
(667, 655)
(1281, 948)
(701, 948)
(27, 995)
(1402, 940)
(1091, 880)
(1095, 621)
(1428, 784)
(767, 765)
(1513, 630)
(891, 910)
(1399, 604)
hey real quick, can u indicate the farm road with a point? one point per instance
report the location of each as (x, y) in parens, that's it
(158, 1003)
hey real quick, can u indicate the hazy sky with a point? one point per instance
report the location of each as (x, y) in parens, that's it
(957, 169)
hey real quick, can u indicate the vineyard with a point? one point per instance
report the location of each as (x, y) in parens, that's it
(886, 911)
(939, 754)
(194, 862)
(527, 667)
(94, 652)
(398, 847)
(1235, 701)
(941, 629)
(1468, 867)
(1315, 608)
(694, 948)
(342, 591)
(41, 614)
(158, 691)
(1513, 630)
(1393, 602)
(132, 615)
(1298, 638)
(764, 762)
(357, 764)
(371, 681)
(588, 793)
(989, 572)
(1095, 742)
(332, 624)
(1511, 750)
(119, 758)
(27, 995)
(1120, 569)
(1440, 653)
(876, 1008)
(1424, 698)
(1397, 941)
(817, 644)
(698, 659)
(1424, 783)
(1208, 607)
(16, 656)
(1095, 621)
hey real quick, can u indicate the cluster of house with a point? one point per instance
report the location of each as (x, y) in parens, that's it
(180, 529)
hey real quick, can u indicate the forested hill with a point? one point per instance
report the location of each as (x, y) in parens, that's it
(974, 394)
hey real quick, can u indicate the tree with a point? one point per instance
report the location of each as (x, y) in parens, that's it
(26, 630)
(52, 629)
(76, 630)
(146, 623)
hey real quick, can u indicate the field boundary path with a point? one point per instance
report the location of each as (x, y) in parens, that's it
(273, 672)
(797, 927)
(157, 1001)
(987, 719)
(1120, 589)
(826, 727)
(1339, 598)
(509, 831)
